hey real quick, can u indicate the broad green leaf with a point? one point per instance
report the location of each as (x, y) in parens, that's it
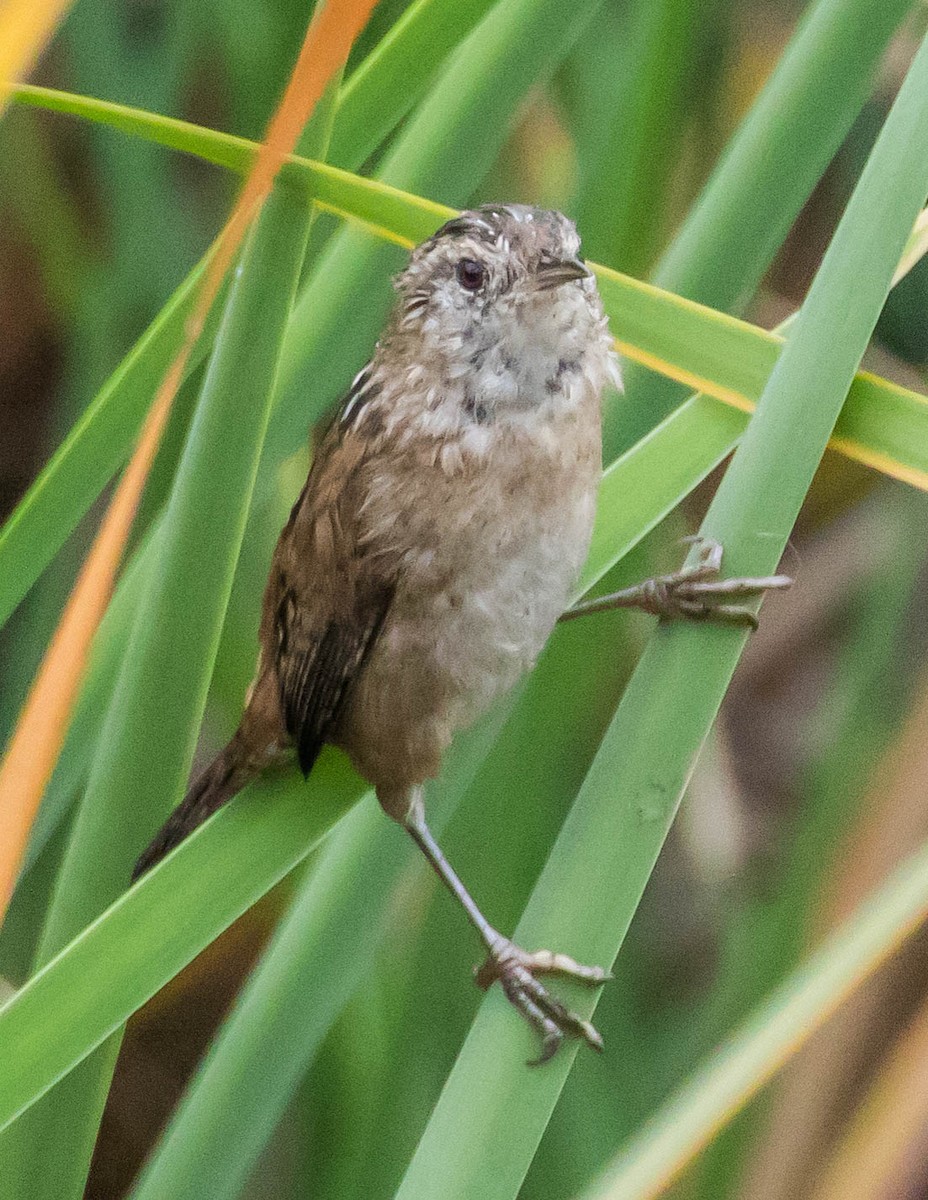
(493, 1110)
(883, 425)
(288, 1005)
(144, 938)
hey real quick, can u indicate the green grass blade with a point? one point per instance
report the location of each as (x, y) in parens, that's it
(493, 1110)
(882, 425)
(818, 86)
(99, 441)
(292, 998)
(150, 731)
(109, 650)
(319, 954)
(176, 631)
(386, 85)
(656, 61)
(768, 171)
(885, 426)
(35, 199)
(628, 510)
(93, 451)
(774, 1032)
(454, 135)
(851, 733)
(83, 995)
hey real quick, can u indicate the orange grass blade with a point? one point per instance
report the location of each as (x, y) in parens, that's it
(328, 40)
(25, 27)
(40, 732)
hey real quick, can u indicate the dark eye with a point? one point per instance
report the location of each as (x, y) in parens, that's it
(471, 274)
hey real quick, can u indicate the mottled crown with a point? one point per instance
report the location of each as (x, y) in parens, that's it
(511, 241)
(534, 234)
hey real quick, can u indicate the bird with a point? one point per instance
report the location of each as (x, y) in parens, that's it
(444, 522)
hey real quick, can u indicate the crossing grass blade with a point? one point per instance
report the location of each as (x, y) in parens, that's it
(521, 42)
(34, 1015)
(493, 1111)
(94, 449)
(730, 235)
(773, 1033)
(387, 84)
(150, 925)
(882, 424)
(149, 733)
(97, 444)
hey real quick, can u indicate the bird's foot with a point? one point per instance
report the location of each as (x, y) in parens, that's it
(698, 594)
(517, 971)
(695, 593)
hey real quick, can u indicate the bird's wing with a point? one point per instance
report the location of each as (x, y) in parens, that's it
(315, 667)
(326, 601)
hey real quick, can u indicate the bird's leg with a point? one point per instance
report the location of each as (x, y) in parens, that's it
(516, 969)
(695, 593)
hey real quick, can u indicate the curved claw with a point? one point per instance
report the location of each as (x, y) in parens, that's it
(550, 1044)
(517, 972)
(709, 556)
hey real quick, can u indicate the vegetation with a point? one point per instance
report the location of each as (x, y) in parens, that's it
(356, 1059)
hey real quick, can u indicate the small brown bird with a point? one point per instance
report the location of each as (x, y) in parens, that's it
(444, 522)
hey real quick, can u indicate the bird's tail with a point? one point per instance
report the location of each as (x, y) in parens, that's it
(226, 775)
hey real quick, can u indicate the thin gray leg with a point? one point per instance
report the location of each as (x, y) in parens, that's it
(515, 968)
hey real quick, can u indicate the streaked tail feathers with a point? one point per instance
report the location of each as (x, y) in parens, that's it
(226, 775)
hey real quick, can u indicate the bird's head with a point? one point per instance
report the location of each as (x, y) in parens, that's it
(491, 262)
(501, 295)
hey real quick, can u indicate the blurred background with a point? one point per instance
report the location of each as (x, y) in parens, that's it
(816, 778)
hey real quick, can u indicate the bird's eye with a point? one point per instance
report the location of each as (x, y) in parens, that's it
(471, 274)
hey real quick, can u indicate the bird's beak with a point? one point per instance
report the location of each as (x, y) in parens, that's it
(563, 270)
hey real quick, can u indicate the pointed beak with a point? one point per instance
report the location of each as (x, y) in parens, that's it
(563, 270)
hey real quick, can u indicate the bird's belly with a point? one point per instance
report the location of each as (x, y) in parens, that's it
(473, 611)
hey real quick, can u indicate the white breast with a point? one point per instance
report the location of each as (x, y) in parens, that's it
(483, 496)
(489, 555)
